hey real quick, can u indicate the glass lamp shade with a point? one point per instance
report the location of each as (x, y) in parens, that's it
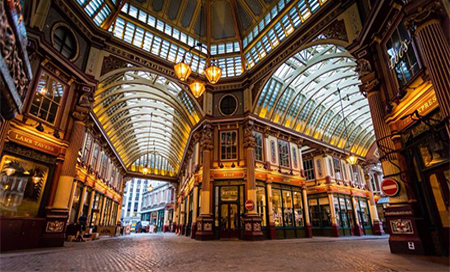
(213, 73)
(352, 159)
(197, 88)
(182, 70)
(145, 170)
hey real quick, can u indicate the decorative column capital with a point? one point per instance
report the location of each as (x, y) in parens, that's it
(207, 137)
(249, 138)
(423, 14)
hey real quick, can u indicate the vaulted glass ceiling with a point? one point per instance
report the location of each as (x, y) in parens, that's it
(148, 119)
(239, 33)
(303, 95)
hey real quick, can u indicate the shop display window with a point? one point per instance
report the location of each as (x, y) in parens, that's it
(277, 208)
(287, 206)
(22, 185)
(261, 204)
(47, 99)
(320, 212)
(363, 212)
(298, 209)
(75, 204)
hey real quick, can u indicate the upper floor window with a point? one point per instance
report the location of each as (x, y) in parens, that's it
(48, 98)
(308, 167)
(259, 146)
(95, 156)
(87, 147)
(65, 42)
(355, 173)
(283, 150)
(228, 145)
(402, 57)
(337, 168)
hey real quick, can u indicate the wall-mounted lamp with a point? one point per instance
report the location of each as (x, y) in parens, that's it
(40, 127)
(233, 165)
(56, 134)
(221, 165)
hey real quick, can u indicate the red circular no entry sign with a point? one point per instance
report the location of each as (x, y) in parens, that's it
(249, 205)
(390, 187)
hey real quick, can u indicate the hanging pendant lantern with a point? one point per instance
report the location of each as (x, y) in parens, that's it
(213, 73)
(352, 159)
(182, 70)
(197, 88)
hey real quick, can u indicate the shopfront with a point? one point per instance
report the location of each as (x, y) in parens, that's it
(288, 212)
(228, 209)
(25, 181)
(320, 215)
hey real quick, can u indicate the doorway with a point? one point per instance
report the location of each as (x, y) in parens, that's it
(229, 201)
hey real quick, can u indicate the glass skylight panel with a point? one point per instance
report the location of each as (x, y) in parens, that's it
(102, 15)
(213, 49)
(172, 53)
(221, 48)
(147, 41)
(142, 16)
(229, 48)
(118, 28)
(92, 7)
(129, 32)
(133, 11)
(237, 48)
(138, 37)
(156, 45)
(160, 25)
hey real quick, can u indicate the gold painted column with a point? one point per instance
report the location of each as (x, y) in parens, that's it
(205, 220)
(435, 52)
(306, 209)
(91, 202)
(81, 204)
(334, 225)
(183, 215)
(194, 211)
(62, 196)
(377, 225)
(252, 220)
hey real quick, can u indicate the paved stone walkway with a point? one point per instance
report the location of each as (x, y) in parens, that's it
(168, 252)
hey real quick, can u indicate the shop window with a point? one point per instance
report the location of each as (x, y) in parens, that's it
(277, 208)
(287, 211)
(320, 212)
(259, 146)
(337, 168)
(308, 167)
(22, 185)
(343, 210)
(402, 57)
(261, 204)
(75, 204)
(64, 42)
(103, 165)
(47, 99)
(228, 145)
(283, 151)
(272, 152)
(363, 212)
(298, 209)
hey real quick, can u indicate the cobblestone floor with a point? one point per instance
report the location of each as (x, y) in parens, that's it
(168, 252)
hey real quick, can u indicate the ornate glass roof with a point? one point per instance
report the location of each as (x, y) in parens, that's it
(239, 33)
(303, 95)
(147, 117)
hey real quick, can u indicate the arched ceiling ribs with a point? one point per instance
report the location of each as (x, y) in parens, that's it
(302, 95)
(125, 103)
(324, 104)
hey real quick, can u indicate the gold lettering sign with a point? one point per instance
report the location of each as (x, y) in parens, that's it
(34, 142)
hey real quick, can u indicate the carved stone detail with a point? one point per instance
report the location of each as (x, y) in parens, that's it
(423, 14)
(207, 137)
(111, 63)
(336, 30)
(363, 67)
(249, 139)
